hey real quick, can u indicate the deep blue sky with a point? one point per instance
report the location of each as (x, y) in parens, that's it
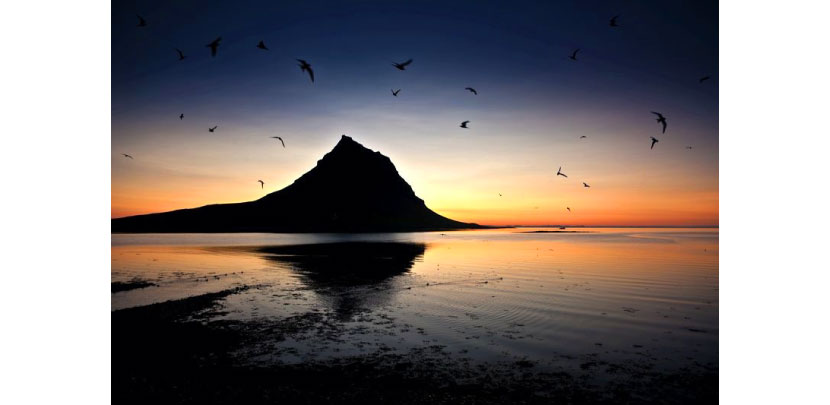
(513, 52)
(659, 43)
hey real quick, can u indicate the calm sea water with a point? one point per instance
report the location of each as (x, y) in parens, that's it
(619, 295)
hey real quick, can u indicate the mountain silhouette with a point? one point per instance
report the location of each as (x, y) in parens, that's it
(352, 189)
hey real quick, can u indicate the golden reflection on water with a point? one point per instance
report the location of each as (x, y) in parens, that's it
(656, 256)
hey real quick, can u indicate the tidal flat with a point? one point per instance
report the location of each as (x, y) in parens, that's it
(486, 316)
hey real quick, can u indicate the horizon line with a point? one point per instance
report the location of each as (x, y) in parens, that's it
(611, 226)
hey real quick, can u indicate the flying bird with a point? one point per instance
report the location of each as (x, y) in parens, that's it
(653, 141)
(471, 90)
(126, 155)
(703, 79)
(613, 21)
(559, 173)
(568, 208)
(464, 124)
(582, 137)
(181, 116)
(661, 119)
(213, 129)
(305, 67)
(402, 66)
(141, 22)
(213, 45)
(499, 194)
(261, 45)
(281, 141)
(395, 92)
(689, 147)
(573, 55)
(585, 184)
(261, 183)
(181, 55)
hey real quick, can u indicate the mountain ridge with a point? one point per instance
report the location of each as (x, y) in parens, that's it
(351, 189)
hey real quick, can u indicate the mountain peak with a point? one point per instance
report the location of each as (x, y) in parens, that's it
(347, 144)
(352, 168)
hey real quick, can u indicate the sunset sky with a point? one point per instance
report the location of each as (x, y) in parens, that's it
(532, 106)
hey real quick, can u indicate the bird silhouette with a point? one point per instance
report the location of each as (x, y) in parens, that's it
(261, 184)
(582, 137)
(181, 116)
(402, 66)
(213, 129)
(126, 155)
(499, 194)
(585, 184)
(568, 208)
(141, 22)
(661, 119)
(559, 173)
(261, 45)
(471, 90)
(281, 141)
(689, 147)
(395, 92)
(464, 124)
(213, 46)
(181, 55)
(613, 21)
(653, 141)
(305, 67)
(703, 79)
(573, 55)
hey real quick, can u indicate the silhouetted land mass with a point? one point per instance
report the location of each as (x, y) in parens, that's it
(119, 286)
(555, 232)
(352, 189)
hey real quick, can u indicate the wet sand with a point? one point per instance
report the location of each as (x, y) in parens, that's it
(172, 353)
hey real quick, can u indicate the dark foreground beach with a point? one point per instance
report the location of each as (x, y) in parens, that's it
(477, 317)
(167, 353)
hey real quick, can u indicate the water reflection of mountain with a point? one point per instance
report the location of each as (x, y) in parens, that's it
(352, 276)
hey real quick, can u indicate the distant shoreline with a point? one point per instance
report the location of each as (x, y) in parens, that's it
(324, 231)
(613, 226)
(480, 227)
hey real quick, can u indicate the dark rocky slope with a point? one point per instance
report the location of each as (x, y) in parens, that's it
(352, 189)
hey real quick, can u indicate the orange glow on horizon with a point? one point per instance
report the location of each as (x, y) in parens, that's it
(629, 183)
(625, 209)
